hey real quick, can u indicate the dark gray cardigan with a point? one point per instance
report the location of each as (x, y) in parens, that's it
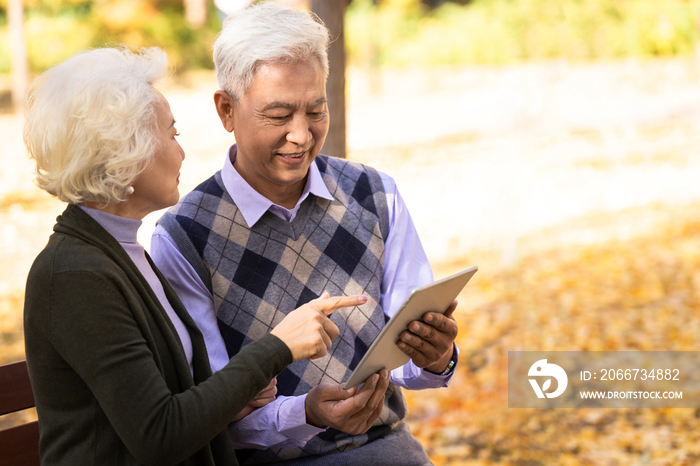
(110, 378)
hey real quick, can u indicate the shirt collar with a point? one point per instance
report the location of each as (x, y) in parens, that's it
(124, 230)
(253, 205)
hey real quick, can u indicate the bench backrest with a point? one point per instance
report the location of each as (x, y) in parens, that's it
(19, 446)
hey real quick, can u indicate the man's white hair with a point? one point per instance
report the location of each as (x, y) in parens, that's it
(90, 123)
(262, 34)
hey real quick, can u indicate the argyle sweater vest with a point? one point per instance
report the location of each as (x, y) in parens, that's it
(258, 275)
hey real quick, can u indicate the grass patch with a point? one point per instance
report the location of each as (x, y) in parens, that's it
(400, 32)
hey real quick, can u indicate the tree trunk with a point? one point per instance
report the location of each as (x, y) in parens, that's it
(331, 13)
(18, 45)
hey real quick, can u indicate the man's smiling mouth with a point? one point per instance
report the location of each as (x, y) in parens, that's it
(293, 156)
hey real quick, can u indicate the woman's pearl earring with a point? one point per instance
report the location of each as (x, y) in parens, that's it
(129, 190)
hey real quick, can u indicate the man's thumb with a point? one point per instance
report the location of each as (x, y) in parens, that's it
(345, 394)
(451, 309)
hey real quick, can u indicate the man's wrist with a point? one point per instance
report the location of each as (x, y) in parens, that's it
(311, 418)
(448, 367)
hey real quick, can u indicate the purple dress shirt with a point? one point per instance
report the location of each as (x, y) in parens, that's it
(282, 422)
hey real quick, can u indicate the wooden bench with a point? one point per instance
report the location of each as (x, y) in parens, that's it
(19, 445)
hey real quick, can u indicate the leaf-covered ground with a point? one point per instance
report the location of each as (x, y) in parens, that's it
(641, 294)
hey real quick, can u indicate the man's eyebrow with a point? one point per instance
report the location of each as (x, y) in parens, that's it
(320, 101)
(288, 106)
(274, 105)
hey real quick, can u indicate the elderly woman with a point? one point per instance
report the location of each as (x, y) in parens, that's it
(119, 370)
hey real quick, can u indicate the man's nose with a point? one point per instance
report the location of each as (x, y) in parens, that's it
(299, 131)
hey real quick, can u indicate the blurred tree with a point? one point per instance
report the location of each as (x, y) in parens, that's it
(332, 14)
(18, 45)
(430, 4)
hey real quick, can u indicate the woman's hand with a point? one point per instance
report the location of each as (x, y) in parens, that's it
(266, 395)
(307, 330)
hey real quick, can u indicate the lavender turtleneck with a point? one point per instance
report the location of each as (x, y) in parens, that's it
(124, 230)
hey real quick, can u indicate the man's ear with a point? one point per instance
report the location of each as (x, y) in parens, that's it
(224, 107)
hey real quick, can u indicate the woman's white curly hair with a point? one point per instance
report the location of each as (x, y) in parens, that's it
(90, 123)
(262, 34)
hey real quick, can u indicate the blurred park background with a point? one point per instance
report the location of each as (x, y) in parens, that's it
(553, 143)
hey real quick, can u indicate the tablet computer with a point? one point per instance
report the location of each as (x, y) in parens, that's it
(384, 353)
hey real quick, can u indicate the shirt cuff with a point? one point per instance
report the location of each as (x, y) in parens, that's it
(277, 424)
(292, 420)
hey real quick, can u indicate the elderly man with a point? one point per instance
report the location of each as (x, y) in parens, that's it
(277, 226)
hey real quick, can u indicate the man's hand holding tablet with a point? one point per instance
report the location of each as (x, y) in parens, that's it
(430, 342)
(423, 329)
